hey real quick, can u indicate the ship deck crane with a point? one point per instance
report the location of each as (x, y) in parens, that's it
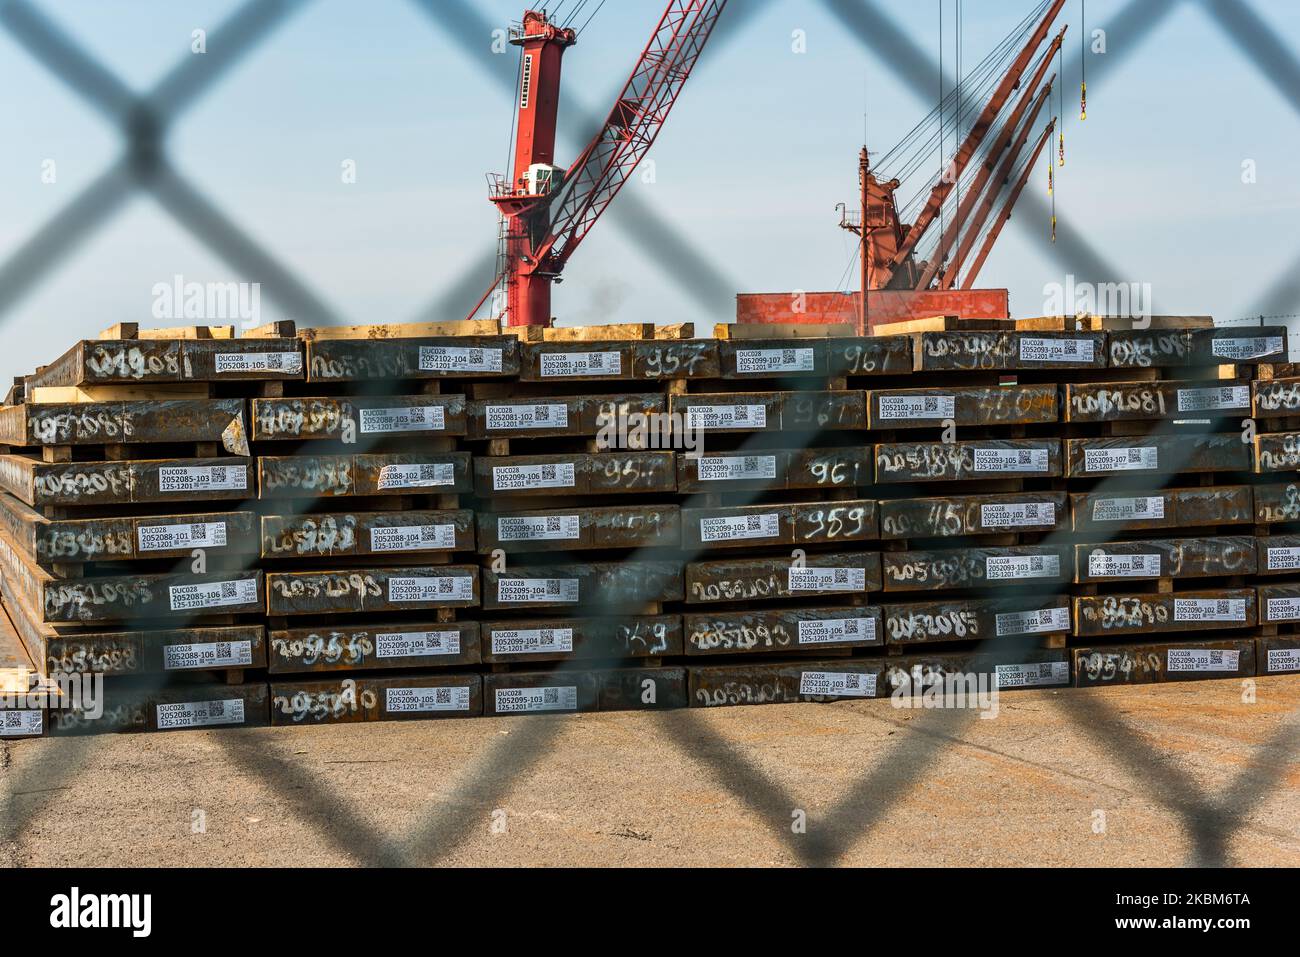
(547, 211)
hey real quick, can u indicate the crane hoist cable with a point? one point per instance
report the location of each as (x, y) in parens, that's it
(1060, 92)
(1051, 187)
(1083, 60)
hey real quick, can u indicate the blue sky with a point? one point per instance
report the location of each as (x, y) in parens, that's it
(759, 150)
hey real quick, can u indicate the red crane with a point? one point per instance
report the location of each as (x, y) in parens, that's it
(546, 211)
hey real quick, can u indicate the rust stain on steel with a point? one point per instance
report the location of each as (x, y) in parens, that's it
(1164, 508)
(964, 405)
(351, 360)
(1124, 615)
(113, 483)
(1130, 401)
(602, 473)
(1165, 558)
(545, 417)
(974, 459)
(144, 652)
(975, 567)
(416, 587)
(667, 359)
(629, 526)
(1009, 351)
(366, 533)
(1277, 452)
(352, 699)
(369, 646)
(945, 516)
(127, 597)
(976, 619)
(395, 473)
(133, 422)
(783, 630)
(821, 468)
(151, 361)
(133, 709)
(796, 523)
(769, 683)
(1149, 663)
(560, 639)
(1157, 454)
(335, 418)
(849, 573)
(587, 585)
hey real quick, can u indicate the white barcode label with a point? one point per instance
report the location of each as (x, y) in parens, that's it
(735, 467)
(416, 644)
(423, 475)
(1283, 559)
(532, 641)
(1011, 460)
(559, 364)
(1036, 621)
(16, 722)
(726, 417)
(826, 630)
(1283, 659)
(1017, 514)
(459, 359)
(552, 416)
(737, 527)
(1102, 565)
(513, 478)
(999, 567)
(1209, 609)
(1249, 348)
(537, 589)
(449, 588)
(1284, 609)
(1056, 350)
(828, 579)
(1033, 675)
(539, 528)
(159, 538)
(1121, 460)
(198, 714)
(510, 700)
(213, 595)
(1201, 659)
(829, 683)
(760, 361)
(1128, 509)
(414, 418)
(412, 538)
(209, 654)
(916, 406)
(406, 700)
(1205, 400)
(202, 478)
(289, 363)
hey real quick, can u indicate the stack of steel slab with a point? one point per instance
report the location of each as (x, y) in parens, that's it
(380, 523)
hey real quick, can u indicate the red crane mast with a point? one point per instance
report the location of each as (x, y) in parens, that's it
(547, 211)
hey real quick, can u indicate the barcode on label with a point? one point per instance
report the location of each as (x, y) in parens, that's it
(508, 478)
(758, 361)
(1128, 509)
(999, 567)
(740, 527)
(202, 478)
(459, 359)
(837, 683)
(827, 579)
(422, 475)
(416, 644)
(1209, 609)
(417, 418)
(1034, 622)
(1011, 460)
(1201, 659)
(735, 467)
(559, 364)
(824, 630)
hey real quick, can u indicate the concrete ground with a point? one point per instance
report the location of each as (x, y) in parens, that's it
(1157, 775)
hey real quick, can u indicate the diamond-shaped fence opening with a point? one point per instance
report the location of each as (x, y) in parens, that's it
(143, 121)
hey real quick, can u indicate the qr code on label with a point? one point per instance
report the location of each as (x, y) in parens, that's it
(223, 649)
(841, 576)
(1023, 457)
(215, 709)
(196, 531)
(851, 627)
(218, 473)
(1221, 606)
(475, 356)
(552, 586)
(553, 523)
(442, 695)
(228, 590)
(753, 523)
(741, 413)
(1135, 456)
(550, 695)
(548, 473)
(931, 404)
